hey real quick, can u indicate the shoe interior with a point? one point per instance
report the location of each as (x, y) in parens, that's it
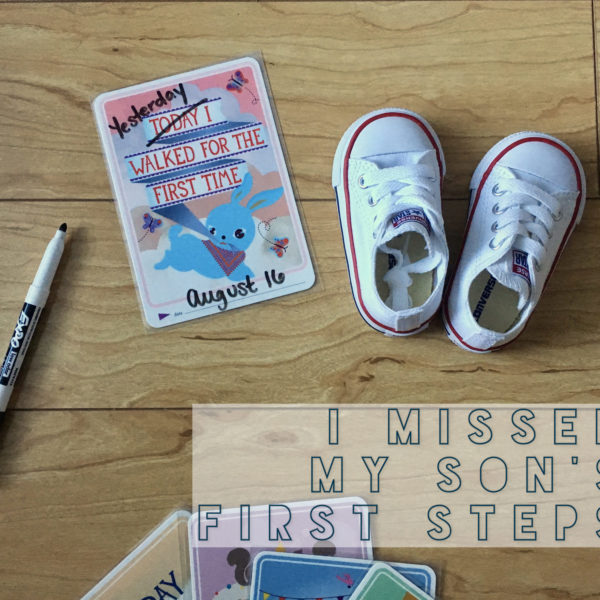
(413, 248)
(493, 305)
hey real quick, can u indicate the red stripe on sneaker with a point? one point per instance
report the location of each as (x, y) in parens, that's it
(349, 218)
(470, 219)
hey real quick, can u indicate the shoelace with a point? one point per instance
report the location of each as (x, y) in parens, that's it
(523, 209)
(400, 187)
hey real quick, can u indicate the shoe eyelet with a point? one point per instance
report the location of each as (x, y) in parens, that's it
(495, 227)
(558, 217)
(497, 210)
(372, 202)
(361, 182)
(536, 265)
(493, 244)
(497, 191)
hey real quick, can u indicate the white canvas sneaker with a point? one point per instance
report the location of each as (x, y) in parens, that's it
(387, 176)
(527, 195)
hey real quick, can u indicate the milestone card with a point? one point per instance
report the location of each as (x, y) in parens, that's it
(158, 568)
(222, 565)
(203, 192)
(384, 582)
(276, 576)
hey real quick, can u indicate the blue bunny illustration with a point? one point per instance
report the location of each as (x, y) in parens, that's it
(230, 230)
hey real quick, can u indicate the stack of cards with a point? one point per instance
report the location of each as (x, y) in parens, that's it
(222, 566)
(226, 568)
(297, 577)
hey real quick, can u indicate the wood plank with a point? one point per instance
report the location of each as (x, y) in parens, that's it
(93, 351)
(596, 21)
(477, 70)
(81, 488)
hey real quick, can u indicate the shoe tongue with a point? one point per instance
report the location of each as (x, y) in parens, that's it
(405, 220)
(514, 272)
(395, 159)
(398, 276)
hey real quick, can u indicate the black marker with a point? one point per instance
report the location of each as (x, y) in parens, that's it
(30, 314)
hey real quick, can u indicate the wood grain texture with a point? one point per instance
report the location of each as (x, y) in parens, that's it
(79, 489)
(477, 70)
(93, 351)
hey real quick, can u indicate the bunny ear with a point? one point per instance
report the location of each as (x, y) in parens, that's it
(264, 199)
(242, 191)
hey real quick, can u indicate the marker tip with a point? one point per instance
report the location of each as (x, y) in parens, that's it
(63, 227)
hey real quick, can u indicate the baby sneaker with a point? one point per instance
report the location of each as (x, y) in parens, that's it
(527, 195)
(387, 175)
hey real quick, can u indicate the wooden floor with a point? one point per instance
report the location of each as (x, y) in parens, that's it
(96, 448)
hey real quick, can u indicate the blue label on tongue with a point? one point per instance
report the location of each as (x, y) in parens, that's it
(411, 214)
(521, 265)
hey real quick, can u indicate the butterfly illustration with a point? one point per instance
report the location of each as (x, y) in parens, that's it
(150, 225)
(237, 82)
(280, 246)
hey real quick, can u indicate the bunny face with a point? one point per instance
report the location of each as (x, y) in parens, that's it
(231, 224)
